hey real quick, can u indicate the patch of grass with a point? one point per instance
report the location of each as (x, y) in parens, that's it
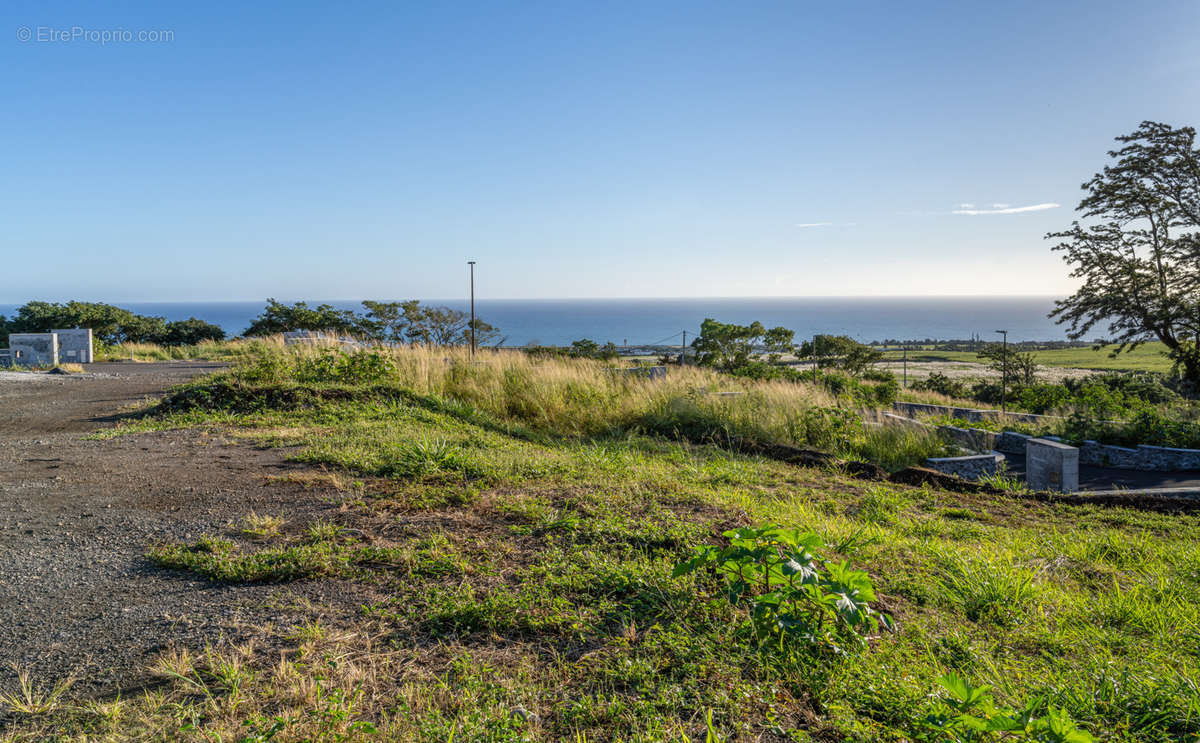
(261, 526)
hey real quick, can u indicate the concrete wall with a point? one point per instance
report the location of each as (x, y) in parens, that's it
(1050, 465)
(912, 409)
(968, 468)
(74, 345)
(646, 372)
(33, 349)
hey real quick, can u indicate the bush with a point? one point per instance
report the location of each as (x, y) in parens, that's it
(792, 596)
(941, 384)
(1043, 398)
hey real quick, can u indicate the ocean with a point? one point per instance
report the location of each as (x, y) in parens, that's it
(661, 321)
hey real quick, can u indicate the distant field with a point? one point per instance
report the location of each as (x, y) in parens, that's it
(1149, 357)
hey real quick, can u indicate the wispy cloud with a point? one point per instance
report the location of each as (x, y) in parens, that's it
(966, 206)
(815, 224)
(1004, 209)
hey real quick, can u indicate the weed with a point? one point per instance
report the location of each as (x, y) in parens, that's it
(30, 699)
(261, 526)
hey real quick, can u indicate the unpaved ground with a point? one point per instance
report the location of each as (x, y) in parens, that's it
(77, 597)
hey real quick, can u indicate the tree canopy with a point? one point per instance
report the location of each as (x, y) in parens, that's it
(383, 322)
(840, 352)
(726, 346)
(1139, 256)
(109, 324)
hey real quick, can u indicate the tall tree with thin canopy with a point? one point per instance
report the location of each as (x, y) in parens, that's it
(1139, 259)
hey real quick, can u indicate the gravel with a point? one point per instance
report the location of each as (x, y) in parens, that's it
(77, 596)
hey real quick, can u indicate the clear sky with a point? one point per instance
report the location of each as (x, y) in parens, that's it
(575, 149)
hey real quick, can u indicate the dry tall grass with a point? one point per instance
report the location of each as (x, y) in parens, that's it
(568, 396)
(586, 398)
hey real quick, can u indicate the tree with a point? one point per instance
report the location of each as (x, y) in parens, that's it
(840, 352)
(281, 318)
(725, 345)
(446, 326)
(586, 348)
(388, 322)
(1140, 262)
(189, 332)
(778, 341)
(1020, 367)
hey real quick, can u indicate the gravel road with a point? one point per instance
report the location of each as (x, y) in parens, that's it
(77, 597)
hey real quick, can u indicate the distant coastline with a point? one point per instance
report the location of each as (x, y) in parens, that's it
(660, 321)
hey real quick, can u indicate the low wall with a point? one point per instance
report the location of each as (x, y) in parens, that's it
(968, 468)
(1011, 442)
(1144, 457)
(975, 439)
(913, 409)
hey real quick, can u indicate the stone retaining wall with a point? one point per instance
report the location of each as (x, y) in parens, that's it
(968, 468)
(1144, 457)
(913, 409)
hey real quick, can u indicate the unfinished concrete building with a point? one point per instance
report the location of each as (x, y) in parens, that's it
(64, 346)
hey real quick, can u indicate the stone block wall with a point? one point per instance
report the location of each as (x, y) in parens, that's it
(1144, 457)
(912, 409)
(968, 468)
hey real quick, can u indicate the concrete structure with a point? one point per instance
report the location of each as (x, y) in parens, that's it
(319, 338)
(1050, 465)
(969, 468)
(33, 349)
(645, 372)
(74, 345)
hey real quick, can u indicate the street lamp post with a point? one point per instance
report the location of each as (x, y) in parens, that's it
(1004, 372)
(472, 265)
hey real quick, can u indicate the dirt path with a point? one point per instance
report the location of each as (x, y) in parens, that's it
(77, 597)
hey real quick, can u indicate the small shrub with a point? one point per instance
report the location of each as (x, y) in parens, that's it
(793, 596)
(968, 714)
(941, 384)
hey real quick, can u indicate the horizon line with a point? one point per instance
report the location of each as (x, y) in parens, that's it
(559, 299)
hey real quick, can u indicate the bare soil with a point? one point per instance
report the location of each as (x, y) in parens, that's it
(77, 596)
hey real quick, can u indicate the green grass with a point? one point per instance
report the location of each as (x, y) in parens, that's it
(518, 586)
(1147, 357)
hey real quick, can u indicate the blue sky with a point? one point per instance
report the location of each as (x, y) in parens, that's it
(574, 149)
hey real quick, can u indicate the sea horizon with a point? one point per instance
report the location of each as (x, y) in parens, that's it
(662, 320)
